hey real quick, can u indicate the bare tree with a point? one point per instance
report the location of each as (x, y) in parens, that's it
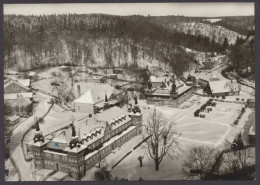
(103, 174)
(63, 91)
(163, 140)
(199, 162)
(237, 160)
(71, 71)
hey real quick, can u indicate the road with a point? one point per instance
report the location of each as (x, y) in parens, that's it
(15, 146)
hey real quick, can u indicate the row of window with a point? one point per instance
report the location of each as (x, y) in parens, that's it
(55, 157)
(46, 162)
(37, 154)
(108, 148)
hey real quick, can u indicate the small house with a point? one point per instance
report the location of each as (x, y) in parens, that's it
(13, 119)
(202, 115)
(97, 79)
(33, 75)
(114, 76)
(251, 102)
(224, 87)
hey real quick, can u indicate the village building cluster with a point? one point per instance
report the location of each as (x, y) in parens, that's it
(80, 145)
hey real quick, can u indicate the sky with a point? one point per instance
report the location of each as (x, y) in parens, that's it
(153, 9)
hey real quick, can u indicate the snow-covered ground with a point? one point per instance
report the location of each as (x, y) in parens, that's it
(12, 175)
(194, 132)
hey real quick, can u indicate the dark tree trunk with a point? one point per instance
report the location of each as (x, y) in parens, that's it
(157, 166)
(141, 163)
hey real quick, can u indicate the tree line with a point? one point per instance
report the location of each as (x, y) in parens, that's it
(242, 59)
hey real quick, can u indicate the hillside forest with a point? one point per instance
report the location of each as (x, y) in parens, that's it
(97, 40)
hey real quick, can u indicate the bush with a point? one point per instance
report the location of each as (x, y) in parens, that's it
(223, 97)
(217, 96)
(236, 122)
(196, 113)
(237, 99)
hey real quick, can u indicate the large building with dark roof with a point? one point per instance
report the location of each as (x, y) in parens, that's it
(168, 92)
(82, 144)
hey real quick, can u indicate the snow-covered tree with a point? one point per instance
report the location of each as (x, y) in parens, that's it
(163, 140)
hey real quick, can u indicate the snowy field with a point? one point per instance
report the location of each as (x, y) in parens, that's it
(194, 132)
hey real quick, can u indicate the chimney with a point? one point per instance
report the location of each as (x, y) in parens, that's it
(79, 93)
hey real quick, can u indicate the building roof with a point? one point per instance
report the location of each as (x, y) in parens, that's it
(13, 118)
(110, 114)
(93, 129)
(159, 79)
(214, 77)
(96, 94)
(180, 88)
(97, 77)
(12, 72)
(14, 96)
(25, 82)
(32, 73)
(15, 82)
(6, 81)
(223, 86)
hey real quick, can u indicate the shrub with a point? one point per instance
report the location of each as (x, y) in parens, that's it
(236, 122)
(196, 113)
(223, 97)
(217, 96)
(237, 99)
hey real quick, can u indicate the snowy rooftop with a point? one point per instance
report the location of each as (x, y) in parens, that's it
(13, 118)
(15, 82)
(75, 149)
(93, 128)
(110, 114)
(24, 82)
(159, 79)
(97, 77)
(180, 88)
(14, 96)
(223, 86)
(32, 73)
(12, 72)
(96, 94)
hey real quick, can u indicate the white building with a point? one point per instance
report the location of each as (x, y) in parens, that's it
(93, 100)
(224, 87)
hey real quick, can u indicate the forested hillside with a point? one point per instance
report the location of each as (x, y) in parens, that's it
(94, 40)
(97, 40)
(243, 25)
